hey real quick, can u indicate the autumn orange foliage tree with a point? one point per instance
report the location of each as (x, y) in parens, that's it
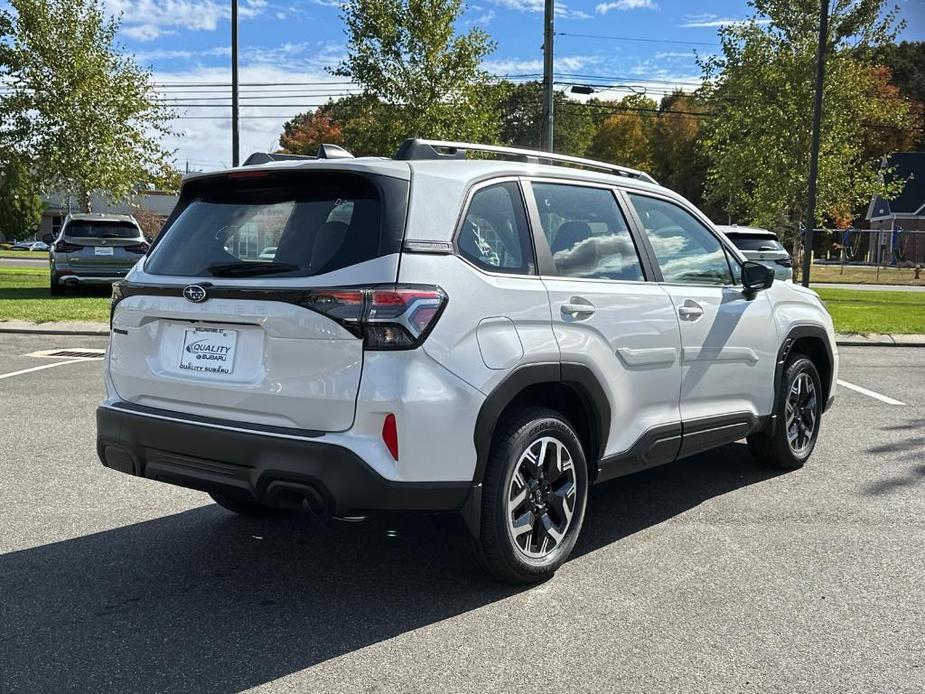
(306, 131)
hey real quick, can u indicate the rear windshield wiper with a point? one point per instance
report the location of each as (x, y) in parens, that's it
(244, 269)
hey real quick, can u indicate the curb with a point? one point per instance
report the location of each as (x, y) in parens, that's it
(39, 331)
(880, 340)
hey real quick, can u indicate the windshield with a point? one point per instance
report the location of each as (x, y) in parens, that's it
(85, 229)
(756, 242)
(246, 230)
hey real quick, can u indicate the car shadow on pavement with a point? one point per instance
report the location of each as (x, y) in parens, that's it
(206, 601)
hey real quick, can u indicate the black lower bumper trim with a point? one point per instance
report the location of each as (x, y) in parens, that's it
(257, 466)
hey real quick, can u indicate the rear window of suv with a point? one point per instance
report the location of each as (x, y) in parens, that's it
(298, 225)
(96, 229)
(755, 242)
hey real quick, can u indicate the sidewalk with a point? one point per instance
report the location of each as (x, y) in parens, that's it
(92, 328)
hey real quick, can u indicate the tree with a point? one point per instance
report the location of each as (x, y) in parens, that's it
(760, 92)
(306, 131)
(521, 115)
(417, 74)
(678, 160)
(83, 115)
(20, 204)
(624, 137)
(906, 62)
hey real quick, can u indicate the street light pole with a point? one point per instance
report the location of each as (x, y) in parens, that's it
(235, 136)
(814, 145)
(548, 39)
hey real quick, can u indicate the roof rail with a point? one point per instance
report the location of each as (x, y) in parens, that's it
(418, 149)
(325, 151)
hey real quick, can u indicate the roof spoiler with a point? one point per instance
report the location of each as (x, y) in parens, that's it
(325, 151)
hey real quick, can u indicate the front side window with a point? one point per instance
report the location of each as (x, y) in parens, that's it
(687, 252)
(587, 234)
(494, 234)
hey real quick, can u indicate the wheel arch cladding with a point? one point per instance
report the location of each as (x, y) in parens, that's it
(812, 341)
(570, 389)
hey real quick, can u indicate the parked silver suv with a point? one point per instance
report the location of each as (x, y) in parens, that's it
(437, 333)
(95, 249)
(761, 246)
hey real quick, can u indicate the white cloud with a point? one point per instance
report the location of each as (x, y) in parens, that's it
(519, 66)
(562, 10)
(146, 20)
(606, 7)
(204, 137)
(702, 21)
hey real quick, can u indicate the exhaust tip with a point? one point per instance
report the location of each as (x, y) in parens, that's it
(294, 495)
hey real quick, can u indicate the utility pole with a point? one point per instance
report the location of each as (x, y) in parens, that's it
(548, 39)
(235, 135)
(814, 146)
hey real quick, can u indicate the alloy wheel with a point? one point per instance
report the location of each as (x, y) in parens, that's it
(542, 497)
(801, 412)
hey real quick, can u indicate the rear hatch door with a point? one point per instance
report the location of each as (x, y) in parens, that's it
(210, 326)
(103, 244)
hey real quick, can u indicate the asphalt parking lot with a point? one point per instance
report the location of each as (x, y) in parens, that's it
(708, 575)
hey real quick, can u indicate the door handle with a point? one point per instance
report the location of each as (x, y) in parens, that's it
(577, 306)
(690, 310)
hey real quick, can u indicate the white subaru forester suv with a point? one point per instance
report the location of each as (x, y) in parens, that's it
(442, 334)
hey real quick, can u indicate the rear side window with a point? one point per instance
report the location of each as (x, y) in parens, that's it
(494, 234)
(587, 233)
(96, 229)
(301, 226)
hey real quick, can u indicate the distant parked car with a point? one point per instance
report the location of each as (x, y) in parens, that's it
(761, 246)
(95, 249)
(268, 253)
(29, 246)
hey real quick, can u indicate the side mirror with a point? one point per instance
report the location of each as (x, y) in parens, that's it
(48, 238)
(756, 276)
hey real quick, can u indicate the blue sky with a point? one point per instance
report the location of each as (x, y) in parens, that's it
(185, 42)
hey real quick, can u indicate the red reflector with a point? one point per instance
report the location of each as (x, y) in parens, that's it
(390, 435)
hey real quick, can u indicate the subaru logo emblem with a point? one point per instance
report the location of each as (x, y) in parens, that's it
(194, 293)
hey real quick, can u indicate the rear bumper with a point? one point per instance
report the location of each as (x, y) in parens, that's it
(258, 466)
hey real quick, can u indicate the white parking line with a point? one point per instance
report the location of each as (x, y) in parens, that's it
(870, 393)
(43, 366)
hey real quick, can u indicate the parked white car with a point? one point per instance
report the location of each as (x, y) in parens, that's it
(29, 246)
(436, 333)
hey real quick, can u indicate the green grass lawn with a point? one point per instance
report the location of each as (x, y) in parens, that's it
(874, 311)
(32, 255)
(24, 296)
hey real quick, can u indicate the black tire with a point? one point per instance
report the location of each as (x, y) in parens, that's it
(247, 507)
(55, 288)
(496, 549)
(778, 450)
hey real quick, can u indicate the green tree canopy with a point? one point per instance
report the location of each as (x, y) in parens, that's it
(521, 114)
(420, 78)
(81, 113)
(760, 91)
(20, 204)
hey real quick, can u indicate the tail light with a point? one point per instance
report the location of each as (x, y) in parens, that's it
(785, 262)
(65, 247)
(139, 248)
(385, 317)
